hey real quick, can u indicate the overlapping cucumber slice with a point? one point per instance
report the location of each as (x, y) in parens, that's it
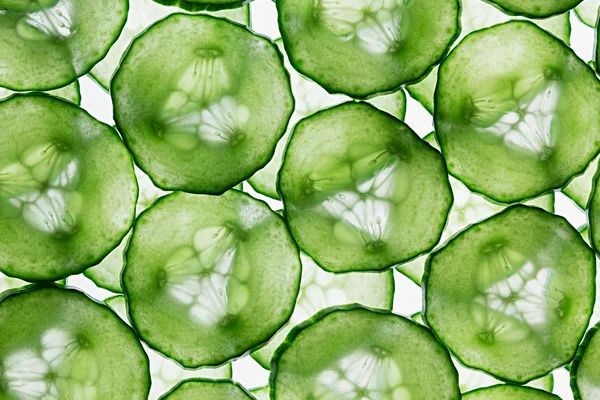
(261, 393)
(48, 44)
(310, 98)
(522, 124)
(60, 212)
(142, 14)
(509, 392)
(195, 389)
(355, 181)
(359, 353)
(70, 92)
(320, 289)
(512, 295)
(535, 8)
(587, 11)
(585, 370)
(361, 47)
(468, 208)
(594, 214)
(56, 343)
(223, 283)
(580, 187)
(201, 102)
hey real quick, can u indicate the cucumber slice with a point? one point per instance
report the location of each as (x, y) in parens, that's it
(311, 98)
(320, 289)
(195, 389)
(363, 47)
(225, 281)
(60, 212)
(509, 392)
(580, 188)
(523, 124)
(467, 209)
(360, 353)
(594, 214)
(57, 343)
(512, 295)
(587, 12)
(535, 8)
(261, 393)
(49, 44)
(212, 118)
(142, 14)
(476, 15)
(585, 371)
(350, 194)
(70, 92)
(165, 373)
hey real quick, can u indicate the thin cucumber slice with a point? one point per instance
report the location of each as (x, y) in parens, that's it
(57, 343)
(523, 124)
(204, 112)
(580, 188)
(165, 373)
(585, 369)
(350, 193)
(512, 295)
(311, 98)
(476, 15)
(261, 393)
(196, 389)
(320, 289)
(360, 47)
(535, 8)
(356, 352)
(467, 209)
(594, 214)
(225, 281)
(7, 283)
(49, 44)
(60, 211)
(142, 14)
(587, 12)
(70, 92)
(509, 392)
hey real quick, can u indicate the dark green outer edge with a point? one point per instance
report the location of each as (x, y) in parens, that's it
(578, 356)
(33, 287)
(580, 18)
(530, 15)
(531, 195)
(204, 6)
(527, 388)
(119, 239)
(157, 348)
(427, 272)
(595, 61)
(278, 136)
(395, 264)
(289, 340)
(91, 65)
(206, 380)
(377, 91)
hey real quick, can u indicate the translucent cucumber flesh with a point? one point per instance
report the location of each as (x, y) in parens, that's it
(509, 392)
(536, 8)
(70, 93)
(587, 11)
(208, 389)
(585, 375)
(580, 188)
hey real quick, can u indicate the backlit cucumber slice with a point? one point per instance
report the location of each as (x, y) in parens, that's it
(361, 47)
(509, 392)
(535, 8)
(585, 370)
(512, 295)
(522, 124)
(201, 102)
(359, 353)
(197, 389)
(354, 182)
(70, 92)
(261, 393)
(580, 188)
(225, 281)
(142, 14)
(320, 289)
(47, 44)
(594, 214)
(57, 343)
(67, 188)
(587, 11)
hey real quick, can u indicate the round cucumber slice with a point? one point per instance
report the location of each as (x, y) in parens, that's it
(57, 343)
(594, 214)
(512, 295)
(225, 281)
(142, 14)
(519, 125)
(60, 211)
(193, 389)
(49, 44)
(356, 352)
(70, 92)
(585, 370)
(361, 47)
(535, 8)
(210, 119)
(311, 98)
(351, 193)
(509, 392)
(587, 11)
(580, 187)
(320, 289)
